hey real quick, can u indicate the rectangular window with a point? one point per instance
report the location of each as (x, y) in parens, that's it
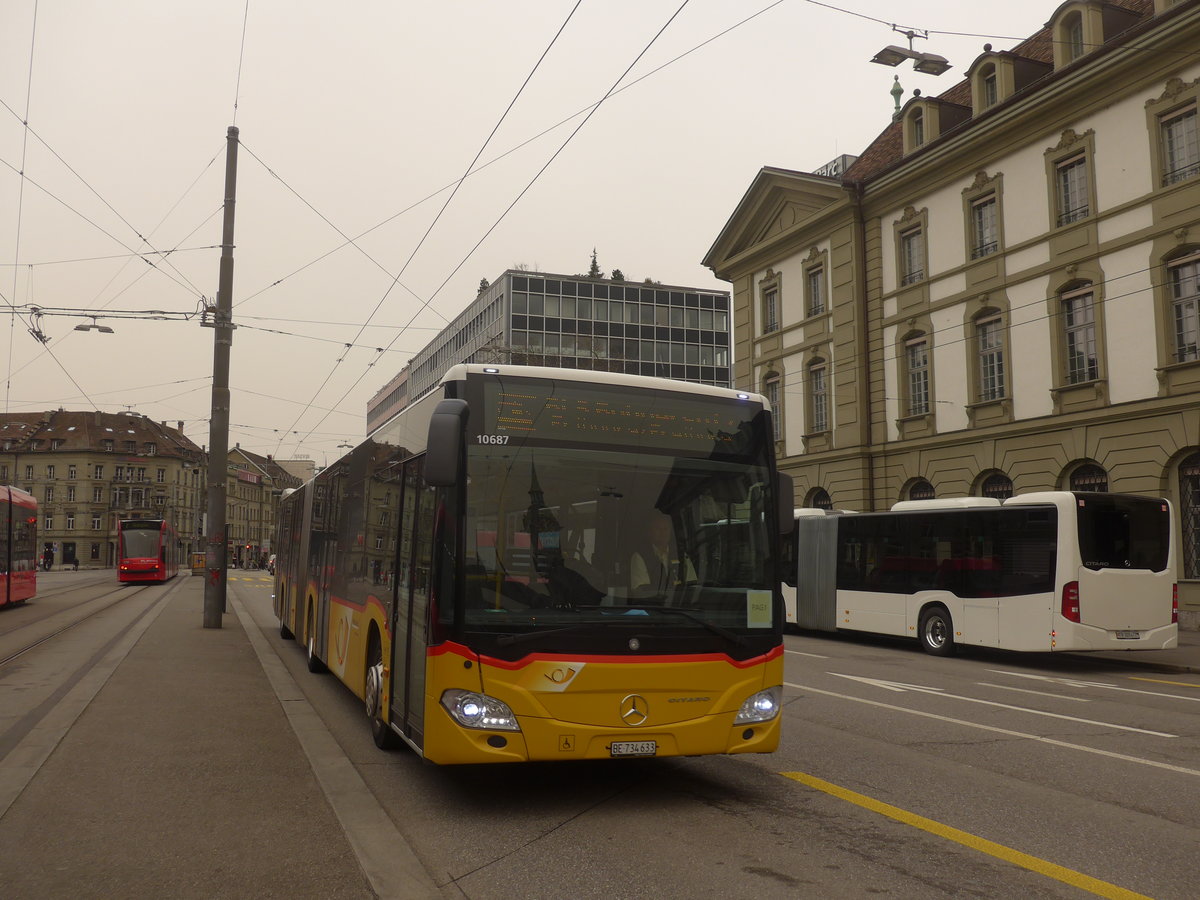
(912, 256)
(29, 471)
(49, 494)
(983, 227)
(990, 92)
(71, 470)
(70, 493)
(97, 495)
(50, 473)
(1075, 37)
(1079, 331)
(917, 359)
(70, 521)
(818, 395)
(815, 279)
(95, 522)
(1180, 146)
(1184, 277)
(49, 526)
(991, 359)
(1072, 189)
(107, 445)
(98, 472)
(770, 310)
(161, 476)
(775, 396)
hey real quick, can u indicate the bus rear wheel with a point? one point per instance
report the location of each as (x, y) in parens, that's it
(381, 731)
(937, 631)
(310, 646)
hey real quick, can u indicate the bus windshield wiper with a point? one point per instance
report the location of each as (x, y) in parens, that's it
(525, 637)
(724, 632)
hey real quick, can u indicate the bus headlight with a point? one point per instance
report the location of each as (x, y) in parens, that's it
(760, 707)
(475, 710)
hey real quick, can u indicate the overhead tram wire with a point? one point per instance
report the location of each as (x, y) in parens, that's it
(349, 241)
(433, 223)
(525, 190)
(237, 88)
(801, 380)
(508, 152)
(20, 203)
(99, 197)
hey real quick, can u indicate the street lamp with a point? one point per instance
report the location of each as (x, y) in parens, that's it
(926, 63)
(94, 326)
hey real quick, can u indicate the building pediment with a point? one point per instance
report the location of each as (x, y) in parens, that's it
(777, 204)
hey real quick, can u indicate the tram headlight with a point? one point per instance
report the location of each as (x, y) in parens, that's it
(760, 707)
(474, 710)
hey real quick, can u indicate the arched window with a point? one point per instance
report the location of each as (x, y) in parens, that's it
(997, 485)
(819, 498)
(989, 92)
(1189, 512)
(1089, 477)
(921, 490)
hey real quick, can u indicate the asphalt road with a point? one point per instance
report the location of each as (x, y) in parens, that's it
(989, 774)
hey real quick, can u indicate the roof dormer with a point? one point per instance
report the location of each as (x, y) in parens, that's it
(1081, 26)
(997, 75)
(928, 118)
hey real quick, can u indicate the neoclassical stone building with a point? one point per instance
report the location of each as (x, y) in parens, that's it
(1000, 294)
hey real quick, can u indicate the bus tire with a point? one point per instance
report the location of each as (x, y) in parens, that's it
(310, 646)
(381, 731)
(936, 631)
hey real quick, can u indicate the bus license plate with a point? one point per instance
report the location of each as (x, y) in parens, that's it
(1129, 635)
(633, 748)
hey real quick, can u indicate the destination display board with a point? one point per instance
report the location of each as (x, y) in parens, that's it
(567, 412)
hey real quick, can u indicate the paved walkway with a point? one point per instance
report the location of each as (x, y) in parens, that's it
(187, 763)
(173, 770)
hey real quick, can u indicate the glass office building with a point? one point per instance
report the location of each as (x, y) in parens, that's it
(532, 318)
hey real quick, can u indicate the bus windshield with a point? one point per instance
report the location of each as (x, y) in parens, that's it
(1117, 531)
(140, 543)
(603, 542)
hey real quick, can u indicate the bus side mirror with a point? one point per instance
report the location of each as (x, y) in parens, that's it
(784, 499)
(444, 450)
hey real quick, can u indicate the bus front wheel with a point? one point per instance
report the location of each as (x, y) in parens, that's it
(381, 731)
(937, 631)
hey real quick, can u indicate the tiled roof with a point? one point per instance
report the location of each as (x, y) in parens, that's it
(887, 149)
(85, 431)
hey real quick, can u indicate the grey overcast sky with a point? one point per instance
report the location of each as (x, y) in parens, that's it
(356, 121)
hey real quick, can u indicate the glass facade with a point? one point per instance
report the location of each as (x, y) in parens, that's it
(528, 318)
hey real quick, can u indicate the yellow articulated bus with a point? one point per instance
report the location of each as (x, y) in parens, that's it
(549, 564)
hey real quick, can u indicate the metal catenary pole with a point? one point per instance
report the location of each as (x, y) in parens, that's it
(215, 576)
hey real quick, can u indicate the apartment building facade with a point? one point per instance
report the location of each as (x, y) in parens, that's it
(88, 470)
(1000, 294)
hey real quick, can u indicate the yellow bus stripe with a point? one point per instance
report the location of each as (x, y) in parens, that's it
(1033, 863)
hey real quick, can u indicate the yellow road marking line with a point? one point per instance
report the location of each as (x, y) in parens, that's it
(1164, 681)
(974, 842)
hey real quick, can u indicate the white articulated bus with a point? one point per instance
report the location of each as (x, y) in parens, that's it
(1038, 572)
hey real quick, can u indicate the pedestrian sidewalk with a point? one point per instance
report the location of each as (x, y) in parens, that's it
(181, 776)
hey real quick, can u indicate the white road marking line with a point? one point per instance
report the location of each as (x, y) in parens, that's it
(1005, 687)
(1073, 682)
(901, 687)
(1017, 734)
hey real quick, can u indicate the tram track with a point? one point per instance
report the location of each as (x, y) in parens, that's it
(71, 616)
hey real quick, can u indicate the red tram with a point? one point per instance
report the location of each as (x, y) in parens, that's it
(147, 550)
(18, 545)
